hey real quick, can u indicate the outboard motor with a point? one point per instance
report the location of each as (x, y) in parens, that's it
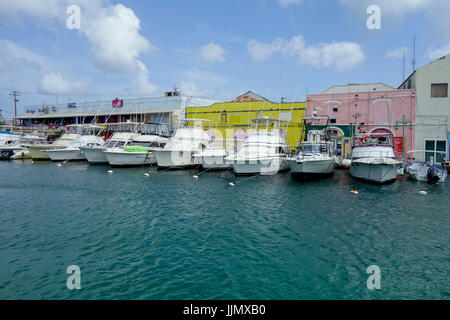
(432, 175)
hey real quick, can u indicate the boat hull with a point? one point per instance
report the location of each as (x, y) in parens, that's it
(21, 154)
(262, 167)
(94, 155)
(38, 152)
(312, 168)
(175, 159)
(129, 159)
(374, 172)
(65, 155)
(214, 163)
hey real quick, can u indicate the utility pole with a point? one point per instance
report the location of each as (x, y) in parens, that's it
(15, 94)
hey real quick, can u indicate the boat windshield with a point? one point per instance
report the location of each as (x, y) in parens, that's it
(148, 144)
(313, 148)
(115, 144)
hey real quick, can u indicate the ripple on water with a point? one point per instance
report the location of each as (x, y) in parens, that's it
(168, 236)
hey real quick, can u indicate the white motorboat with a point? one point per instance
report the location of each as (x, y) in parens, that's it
(72, 152)
(9, 143)
(315, 157)
(213, 157)
(264, 150)
(119, 140)
(37, 149)
(426, 171)
(312, 159)
(373, 158)
(188, 140)
(138, 152)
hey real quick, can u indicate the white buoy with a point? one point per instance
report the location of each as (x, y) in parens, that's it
(231, 184)
(147, 174)
(423, 193)
(354, 192)
(110, 171)
(195, 177)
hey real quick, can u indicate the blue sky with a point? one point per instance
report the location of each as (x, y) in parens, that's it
(216, 49)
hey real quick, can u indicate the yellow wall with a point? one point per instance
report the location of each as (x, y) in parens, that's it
(238, 115)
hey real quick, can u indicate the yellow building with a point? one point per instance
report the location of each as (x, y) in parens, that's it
(230, 117)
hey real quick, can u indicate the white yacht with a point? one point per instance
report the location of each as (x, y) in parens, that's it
(373, 158)
(264, 150)
(37, 149)
(213, 157)
(188, 140)
(72, 152)
(119, 140)
(313, 158)
(138, 152)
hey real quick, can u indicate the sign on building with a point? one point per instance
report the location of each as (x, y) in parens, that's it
(116, 103)
(72, 105)
(398, 146)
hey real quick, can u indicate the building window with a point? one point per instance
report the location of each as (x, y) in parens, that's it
(223, 117)
(335, 109)
(435, 149)
(333, 120)
(439, 90)
(409, 84)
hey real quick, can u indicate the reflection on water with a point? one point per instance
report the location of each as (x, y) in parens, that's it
(168, 236)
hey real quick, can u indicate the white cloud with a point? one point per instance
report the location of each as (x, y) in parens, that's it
(116, 45)
(15, 57)
(115, 40)
(436, 53)
(261, 51)
(54, 83)
(397, 53)
(201, 83)
(113, 32)
(287, 3)
(212, 53)
(340, 55)
(12, 9)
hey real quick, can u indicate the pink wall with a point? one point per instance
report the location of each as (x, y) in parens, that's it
(367, 111)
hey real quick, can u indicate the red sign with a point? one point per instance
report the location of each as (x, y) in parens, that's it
(117, 103)
(398, 146)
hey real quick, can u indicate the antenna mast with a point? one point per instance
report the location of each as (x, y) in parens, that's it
(414, 53)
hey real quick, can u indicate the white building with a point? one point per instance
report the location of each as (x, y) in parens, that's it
(168, 109)
(432, 120)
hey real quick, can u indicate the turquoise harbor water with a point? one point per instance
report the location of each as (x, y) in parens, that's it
(168, 236)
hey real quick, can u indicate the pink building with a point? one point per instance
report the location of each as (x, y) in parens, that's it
(371, 111)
